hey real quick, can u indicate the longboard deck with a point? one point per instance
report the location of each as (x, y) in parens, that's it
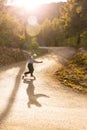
(29, 78)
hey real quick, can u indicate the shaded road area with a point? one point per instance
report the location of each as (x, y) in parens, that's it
(42, 103)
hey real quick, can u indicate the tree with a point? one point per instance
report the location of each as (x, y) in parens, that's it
(45, 32)
(75, 18)
(11, 28)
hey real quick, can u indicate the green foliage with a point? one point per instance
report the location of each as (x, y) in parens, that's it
(11, 33)
(45, 33)
(75, 18)
(61, 24)
(84, 38)
(51, 32)
(33, 46)
(68, 28)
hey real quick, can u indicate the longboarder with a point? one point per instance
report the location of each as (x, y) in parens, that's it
(30, 66)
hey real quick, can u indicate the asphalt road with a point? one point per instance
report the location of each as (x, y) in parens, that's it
(43, 103)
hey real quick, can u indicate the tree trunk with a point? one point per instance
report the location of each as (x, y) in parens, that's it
(78, 40)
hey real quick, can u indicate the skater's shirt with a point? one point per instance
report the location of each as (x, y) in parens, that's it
(31, 60)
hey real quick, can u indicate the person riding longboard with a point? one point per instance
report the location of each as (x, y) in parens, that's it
(30, 66)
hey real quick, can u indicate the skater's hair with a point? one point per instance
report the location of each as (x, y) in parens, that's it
(34, 55)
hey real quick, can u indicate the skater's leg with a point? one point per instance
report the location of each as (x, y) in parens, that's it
(26, 73)
(31, 72)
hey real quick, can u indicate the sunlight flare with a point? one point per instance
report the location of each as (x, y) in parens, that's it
(28, 4)
(33, 28)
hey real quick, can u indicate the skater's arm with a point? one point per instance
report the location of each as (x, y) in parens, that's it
(35, 61)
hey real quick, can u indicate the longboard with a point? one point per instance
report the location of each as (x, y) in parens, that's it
(27, 78)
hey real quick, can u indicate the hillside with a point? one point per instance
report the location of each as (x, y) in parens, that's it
(74, 73)
(49, 11)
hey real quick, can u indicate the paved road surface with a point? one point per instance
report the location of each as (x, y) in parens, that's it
(41, 104)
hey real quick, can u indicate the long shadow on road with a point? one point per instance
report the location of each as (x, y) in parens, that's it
(6, 111)
(31, 94)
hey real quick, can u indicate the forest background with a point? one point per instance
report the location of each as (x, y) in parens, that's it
(60, 24)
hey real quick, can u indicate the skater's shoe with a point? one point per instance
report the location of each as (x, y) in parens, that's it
(33, 77)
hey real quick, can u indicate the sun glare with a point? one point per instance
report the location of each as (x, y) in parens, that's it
(29, 5)
(26, 4)
(33, 27)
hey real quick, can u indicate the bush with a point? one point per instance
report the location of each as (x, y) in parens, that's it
(10, 56)
(74, 74)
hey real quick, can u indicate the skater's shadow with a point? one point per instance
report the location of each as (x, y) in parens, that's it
(31, 94)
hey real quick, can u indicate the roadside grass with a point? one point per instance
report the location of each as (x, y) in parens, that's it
(74, 73)
(10, 55)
